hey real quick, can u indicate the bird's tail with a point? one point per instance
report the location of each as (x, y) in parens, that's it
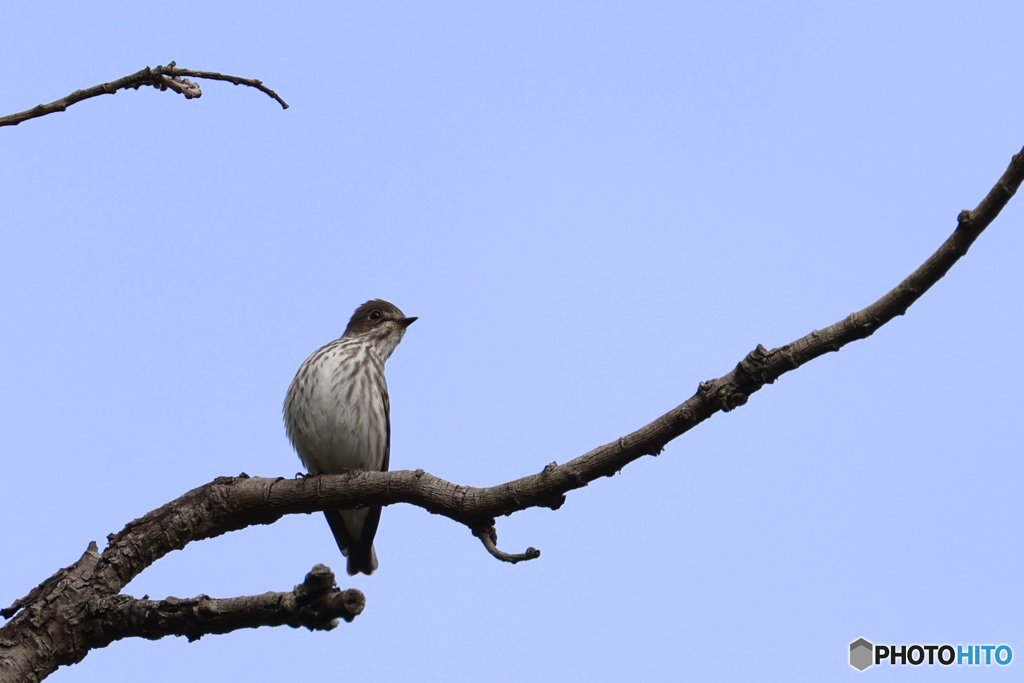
(362, 558)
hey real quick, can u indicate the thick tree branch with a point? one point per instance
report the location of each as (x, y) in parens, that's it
(58, 622)
(241, 502)
(160, 77)
(316, 604)
(76, 615)
(228, 504)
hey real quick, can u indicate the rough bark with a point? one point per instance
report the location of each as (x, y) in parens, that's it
(81, 608)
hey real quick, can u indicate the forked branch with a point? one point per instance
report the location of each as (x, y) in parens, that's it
(168, 77)
(232, 503)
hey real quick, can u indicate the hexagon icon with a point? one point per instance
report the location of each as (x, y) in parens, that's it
(862, 654)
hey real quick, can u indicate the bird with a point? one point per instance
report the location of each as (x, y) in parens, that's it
(337, 415)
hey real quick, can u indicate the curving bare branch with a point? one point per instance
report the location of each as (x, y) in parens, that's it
(168, 77)
(489, 537)
(51, 625)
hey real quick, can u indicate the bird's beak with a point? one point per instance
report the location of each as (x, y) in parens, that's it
(405, 322)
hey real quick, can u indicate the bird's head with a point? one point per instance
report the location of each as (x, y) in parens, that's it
(381, 323)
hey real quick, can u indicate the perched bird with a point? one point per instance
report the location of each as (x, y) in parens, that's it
(338, 416)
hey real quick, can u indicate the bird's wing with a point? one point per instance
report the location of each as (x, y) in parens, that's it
(387, 430)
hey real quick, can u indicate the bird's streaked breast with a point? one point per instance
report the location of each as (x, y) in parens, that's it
(335, 410)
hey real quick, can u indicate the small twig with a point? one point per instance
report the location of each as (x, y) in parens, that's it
(489, 537)
(237, 80)
(168, 77)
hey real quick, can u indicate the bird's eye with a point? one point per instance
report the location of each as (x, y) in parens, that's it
(375, 315)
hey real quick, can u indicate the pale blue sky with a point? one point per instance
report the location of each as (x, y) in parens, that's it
(592, 207)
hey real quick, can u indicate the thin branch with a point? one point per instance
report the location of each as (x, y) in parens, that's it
(168, 77)
(489, 537)
(237, 80)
